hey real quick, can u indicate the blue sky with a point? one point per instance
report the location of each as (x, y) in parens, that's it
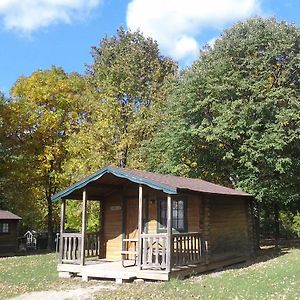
(36, 34)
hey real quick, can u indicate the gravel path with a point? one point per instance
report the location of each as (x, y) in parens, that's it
(74, 294)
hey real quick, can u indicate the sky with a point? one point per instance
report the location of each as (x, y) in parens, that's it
(36, 34)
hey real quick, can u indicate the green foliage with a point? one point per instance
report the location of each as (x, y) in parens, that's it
(74, 216)
(3, 154)
(39, 118)
(126, 91)
(296, 224)
(236, 114)
(286, 222)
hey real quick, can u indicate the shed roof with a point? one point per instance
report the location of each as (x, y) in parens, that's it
(7, 215)
(166, 183)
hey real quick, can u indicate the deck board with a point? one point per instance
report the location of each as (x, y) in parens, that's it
(104, 269)
(112, 270)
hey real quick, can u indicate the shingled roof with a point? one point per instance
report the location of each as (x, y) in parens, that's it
(7, 215)
(167, 183)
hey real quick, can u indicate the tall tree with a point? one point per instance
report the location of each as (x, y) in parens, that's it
(126, 93)
(236, 114)
(3, 153)
(43, 112)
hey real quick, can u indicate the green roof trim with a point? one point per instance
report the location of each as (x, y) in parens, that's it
(118, 173)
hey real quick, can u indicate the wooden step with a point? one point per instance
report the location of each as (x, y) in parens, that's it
(129, 252)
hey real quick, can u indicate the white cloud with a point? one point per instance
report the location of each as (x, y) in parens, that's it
(27, 16)
(175, 24)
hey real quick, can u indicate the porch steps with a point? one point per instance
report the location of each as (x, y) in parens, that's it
(111, 273)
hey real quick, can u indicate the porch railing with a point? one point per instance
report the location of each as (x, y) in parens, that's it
(71, 246)
(188, 248)
(154, 251)
(92, 244)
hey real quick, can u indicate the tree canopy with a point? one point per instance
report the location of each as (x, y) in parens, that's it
(233, 117)
(236, 114)
(126, 92)
(38, 119)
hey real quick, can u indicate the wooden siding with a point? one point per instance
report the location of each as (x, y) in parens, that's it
(228, 227)
(225, 225)
(8, 241)
(194, 207)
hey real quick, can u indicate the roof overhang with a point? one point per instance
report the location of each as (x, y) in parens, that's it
(118, 173)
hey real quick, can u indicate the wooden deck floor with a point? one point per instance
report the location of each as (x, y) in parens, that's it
(104, 269)
(110, 270)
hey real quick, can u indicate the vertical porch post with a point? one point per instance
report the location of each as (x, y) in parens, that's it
(83, 227)
(101, 230)
(140, 225)
(169, 234)
(62, 228)
(207, 229)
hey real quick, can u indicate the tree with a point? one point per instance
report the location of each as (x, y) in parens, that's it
(126, 91)
(3, 155)
(236, 115)
(39, 118)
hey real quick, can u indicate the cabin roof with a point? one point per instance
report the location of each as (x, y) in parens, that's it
(7, 215)
(166, 183)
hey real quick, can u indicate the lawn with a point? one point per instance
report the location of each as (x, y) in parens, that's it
(271, 276)
(276, 278)
(22, 274)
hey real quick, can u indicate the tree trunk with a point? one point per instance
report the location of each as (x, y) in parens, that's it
(123, 161)
(50, 242)
(276, 224)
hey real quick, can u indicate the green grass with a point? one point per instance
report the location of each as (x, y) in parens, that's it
(272, 276)
(23, 274)
(276, 278)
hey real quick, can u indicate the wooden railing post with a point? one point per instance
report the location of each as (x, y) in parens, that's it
(62, 228)
(169, 234)
(140, 225)
(83, 227)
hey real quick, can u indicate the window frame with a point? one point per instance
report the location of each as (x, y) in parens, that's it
(4, 225)
(163, 229)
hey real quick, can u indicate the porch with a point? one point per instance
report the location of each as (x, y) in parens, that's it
(187, 252)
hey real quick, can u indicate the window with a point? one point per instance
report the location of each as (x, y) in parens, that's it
(178, 213)
(3, 227)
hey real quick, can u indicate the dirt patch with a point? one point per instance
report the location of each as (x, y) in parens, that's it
(74, 294)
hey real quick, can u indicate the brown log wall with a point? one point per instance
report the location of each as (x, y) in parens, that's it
(229, 232)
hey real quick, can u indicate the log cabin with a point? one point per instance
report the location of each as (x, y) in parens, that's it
(154, 226)
(8, 233)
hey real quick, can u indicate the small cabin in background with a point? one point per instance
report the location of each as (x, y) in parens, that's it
(8, 232)
(155, 226)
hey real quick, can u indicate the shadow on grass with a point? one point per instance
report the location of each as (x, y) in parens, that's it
(265, 253)
(34, 252)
